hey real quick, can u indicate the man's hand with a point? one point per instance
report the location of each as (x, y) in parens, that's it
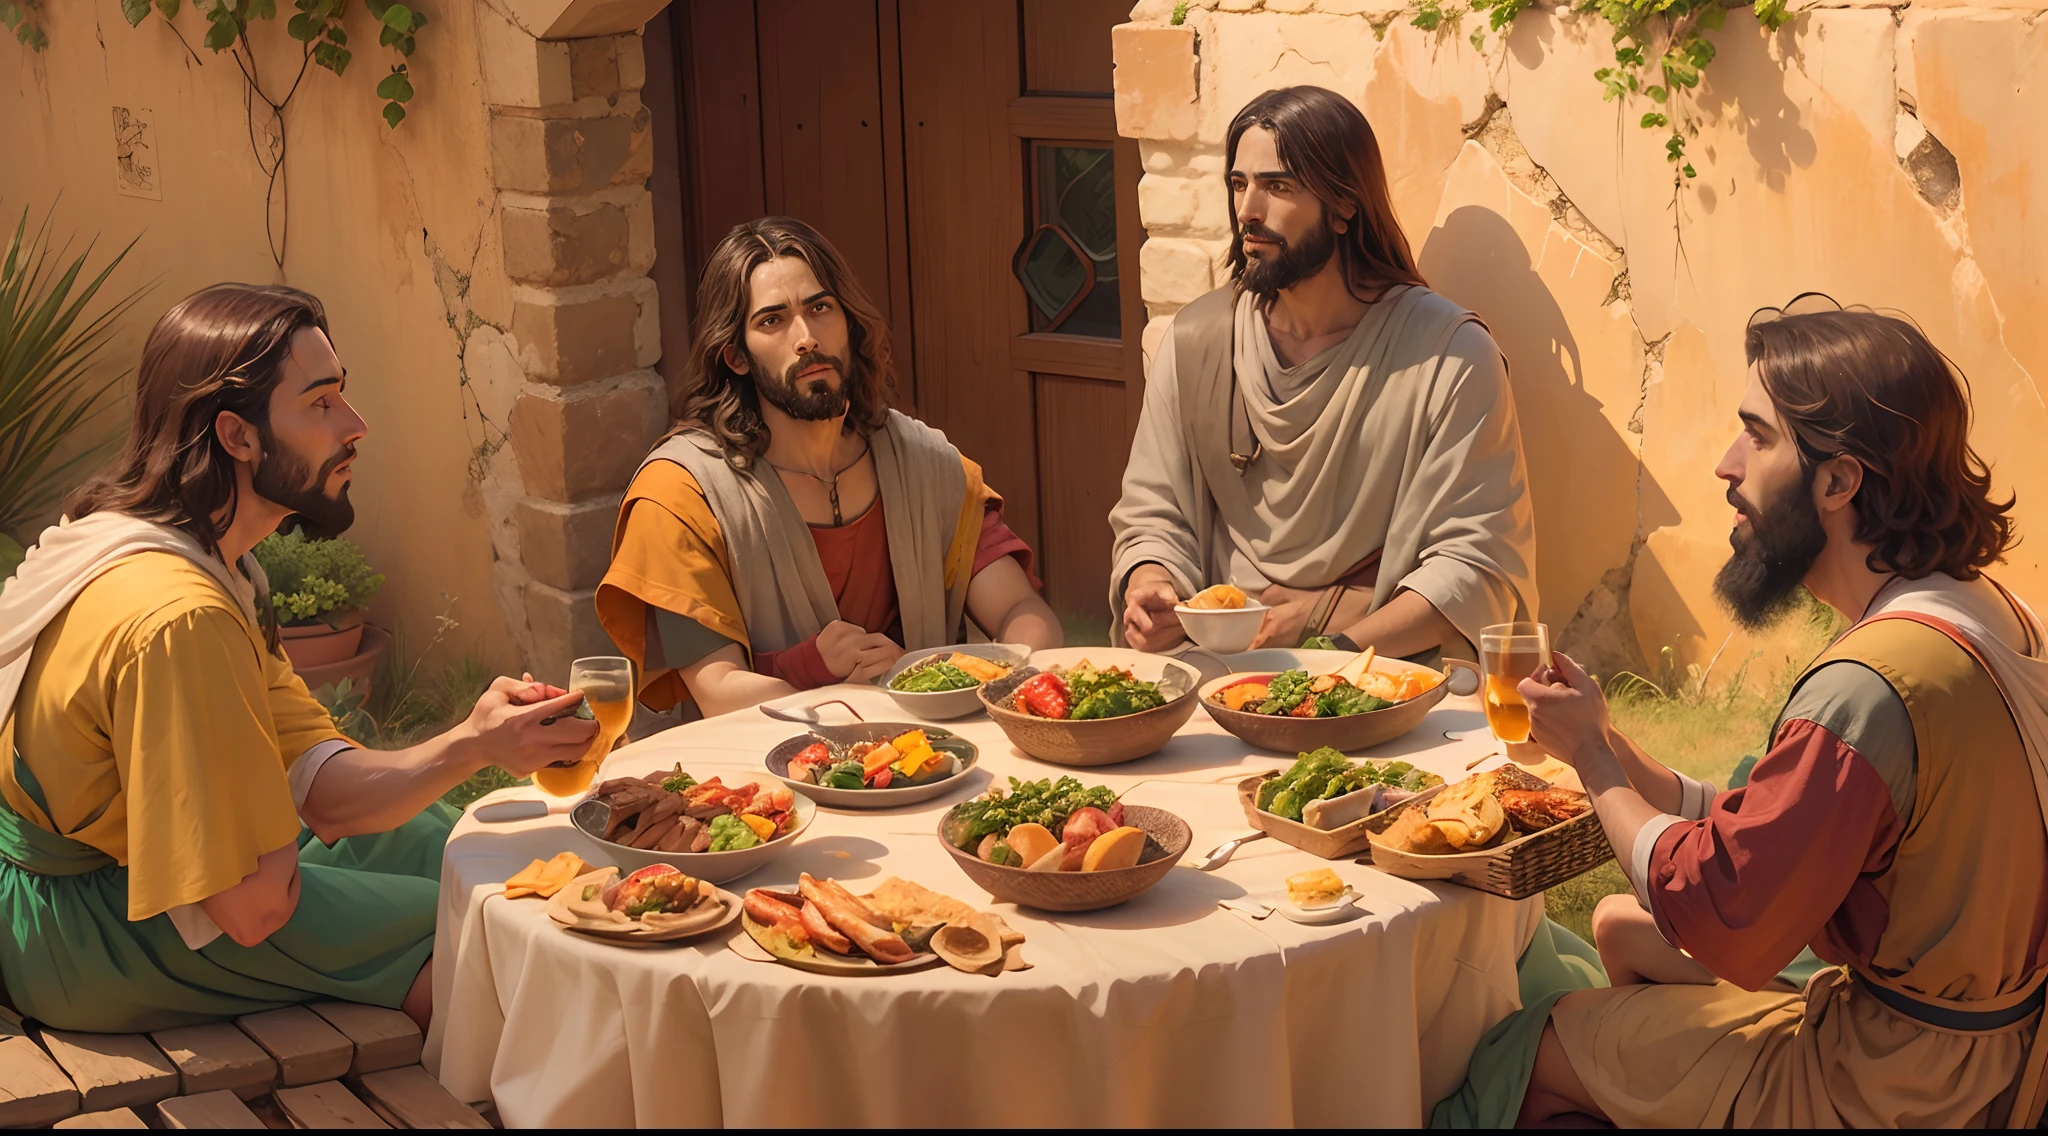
(507, 726)
(854, 653)
(1567, 711)
(1286, 616)
(1149, 621)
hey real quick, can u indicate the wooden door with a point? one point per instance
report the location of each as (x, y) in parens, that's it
(932, 140)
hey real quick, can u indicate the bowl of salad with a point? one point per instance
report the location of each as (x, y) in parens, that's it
(942, 683)
(1363, 703)
(874, 765)
(1059, 845)
(1092, 705)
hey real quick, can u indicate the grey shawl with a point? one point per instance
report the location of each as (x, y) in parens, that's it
(1402, 440)
(776, 573)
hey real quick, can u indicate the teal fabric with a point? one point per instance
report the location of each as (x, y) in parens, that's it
(1556, 963)
(71, 959)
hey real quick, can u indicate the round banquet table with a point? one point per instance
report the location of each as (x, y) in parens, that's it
(1167, 1010)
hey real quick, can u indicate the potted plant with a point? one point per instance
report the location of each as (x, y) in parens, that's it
(319, 590)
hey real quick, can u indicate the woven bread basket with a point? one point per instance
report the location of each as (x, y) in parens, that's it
(1517, 868)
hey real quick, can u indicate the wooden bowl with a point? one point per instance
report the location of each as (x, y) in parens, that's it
(1283, 734)
(1099, 741)
(1166, 840)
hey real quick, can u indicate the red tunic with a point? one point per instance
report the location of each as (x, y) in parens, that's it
(856, 559)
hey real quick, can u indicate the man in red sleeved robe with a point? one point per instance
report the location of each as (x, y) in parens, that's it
(1895, 823)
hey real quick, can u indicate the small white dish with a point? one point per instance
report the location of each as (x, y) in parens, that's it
(1224, 630)
(1344, 908)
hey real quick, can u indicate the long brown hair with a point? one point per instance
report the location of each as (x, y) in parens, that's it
(221, 348)
(718, 401)
(1326, 142)
(1872, 387)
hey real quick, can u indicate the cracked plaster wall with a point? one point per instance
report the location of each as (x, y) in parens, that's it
(1888, 155)
(395, 230)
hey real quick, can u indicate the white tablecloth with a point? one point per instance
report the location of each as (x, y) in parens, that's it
(1167, 1010)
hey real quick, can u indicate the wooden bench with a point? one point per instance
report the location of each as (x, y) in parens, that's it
(322, 1065)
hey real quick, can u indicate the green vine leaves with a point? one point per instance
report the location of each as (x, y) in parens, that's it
(317, 25)
(1639, 26)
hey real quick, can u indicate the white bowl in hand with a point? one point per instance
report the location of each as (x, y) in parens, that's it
(1224, 630)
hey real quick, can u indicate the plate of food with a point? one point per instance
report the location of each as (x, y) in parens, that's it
(874, 765)
(1318, 895)
(708, 829)
(659, 903)
(1092, 706)
(823, 928)
(1320, 803)
(1363, 703)
(1221, 619)
(943, 682)
(1061, 845)
(1506, 831)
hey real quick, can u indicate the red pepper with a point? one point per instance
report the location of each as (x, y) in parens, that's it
(882, 777)
(1045, 696)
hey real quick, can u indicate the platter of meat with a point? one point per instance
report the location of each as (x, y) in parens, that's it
(713, 831)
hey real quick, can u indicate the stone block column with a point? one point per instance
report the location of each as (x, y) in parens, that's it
(571, 154)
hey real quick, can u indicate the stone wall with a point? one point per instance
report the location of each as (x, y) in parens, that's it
(1886, 155)
(484, 268)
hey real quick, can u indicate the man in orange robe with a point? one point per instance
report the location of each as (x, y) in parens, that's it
(792, 531)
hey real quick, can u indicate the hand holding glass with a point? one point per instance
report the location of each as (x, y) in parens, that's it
(1509, 653)
(606, 683)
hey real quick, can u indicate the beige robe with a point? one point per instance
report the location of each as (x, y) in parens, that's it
(1401, 441)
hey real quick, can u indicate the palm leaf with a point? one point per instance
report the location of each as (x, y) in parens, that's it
(51, 385)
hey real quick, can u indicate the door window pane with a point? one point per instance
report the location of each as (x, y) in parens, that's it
(1068, 263)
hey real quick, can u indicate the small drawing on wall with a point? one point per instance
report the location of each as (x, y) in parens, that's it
(135, 168)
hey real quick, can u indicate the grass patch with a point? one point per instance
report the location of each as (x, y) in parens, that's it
(1698, 725)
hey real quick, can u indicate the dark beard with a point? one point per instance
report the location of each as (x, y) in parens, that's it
(284, 479)
(1296, 262)
(1760, 584)
(817, 401)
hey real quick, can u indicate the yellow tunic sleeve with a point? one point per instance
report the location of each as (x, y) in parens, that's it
(197, 746)
(667, 552)
(301, 721)
(978, 500)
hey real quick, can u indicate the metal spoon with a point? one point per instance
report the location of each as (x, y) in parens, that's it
(838, 735)
(1221, 854)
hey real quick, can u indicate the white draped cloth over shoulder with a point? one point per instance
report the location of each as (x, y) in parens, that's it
(1400, 442)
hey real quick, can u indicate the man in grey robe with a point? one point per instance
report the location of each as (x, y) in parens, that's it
(1325, 432)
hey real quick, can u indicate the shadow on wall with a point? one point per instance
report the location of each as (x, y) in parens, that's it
(1591, 496)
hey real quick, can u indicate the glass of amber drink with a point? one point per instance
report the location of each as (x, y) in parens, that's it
(1509, 653)
(606, 683)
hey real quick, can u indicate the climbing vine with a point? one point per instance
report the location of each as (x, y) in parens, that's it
(323, 41)
(1640, 70)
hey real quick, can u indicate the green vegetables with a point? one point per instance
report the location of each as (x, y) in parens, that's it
(1005, 855)
(933, 677)
(844, 775)
(1345, 699)
(729, 834)
(678, 781)
(1045, 802)
(1109, 694)
(1285, 692)
(1326, 774)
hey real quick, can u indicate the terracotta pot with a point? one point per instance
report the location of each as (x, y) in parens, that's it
(360, 666)
(318, 645)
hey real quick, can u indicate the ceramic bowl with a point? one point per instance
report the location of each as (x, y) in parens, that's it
(1283, 734)
(1224, 630)
(1166, 840)
(1100, 741)
(591, 816)
(944, 705)
(963, 752)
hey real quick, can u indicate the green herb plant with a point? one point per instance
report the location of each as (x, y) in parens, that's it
(49, 389)
(323, 580)
(1661, 50)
